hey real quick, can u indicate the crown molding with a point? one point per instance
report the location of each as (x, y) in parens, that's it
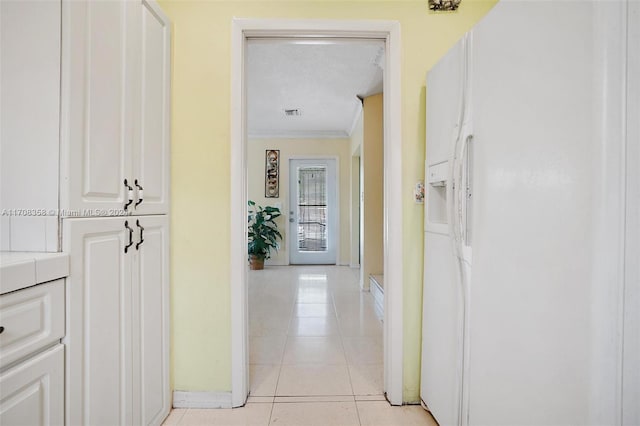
(300, 134)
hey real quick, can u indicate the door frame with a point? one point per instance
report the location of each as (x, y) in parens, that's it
(631, 302)
(389, 31)
(337, 200)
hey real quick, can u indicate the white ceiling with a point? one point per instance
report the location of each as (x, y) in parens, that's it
(319, 77)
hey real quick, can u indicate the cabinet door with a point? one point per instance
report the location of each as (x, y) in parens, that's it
(151, 122)
(99, 347)
(32, 391)
(96, 106)
(33, 318)
(151, 320)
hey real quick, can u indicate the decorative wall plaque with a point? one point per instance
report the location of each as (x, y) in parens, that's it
(444, 5)
(272, 174)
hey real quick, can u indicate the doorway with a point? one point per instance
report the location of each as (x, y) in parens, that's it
(313, 214)
(389, 32)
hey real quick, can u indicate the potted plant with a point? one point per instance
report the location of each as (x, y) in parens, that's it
(263, 233)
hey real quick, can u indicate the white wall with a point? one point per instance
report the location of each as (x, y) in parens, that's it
(29, 125)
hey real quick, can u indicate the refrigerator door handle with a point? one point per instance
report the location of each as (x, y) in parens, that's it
(457, 217)
(464, 191)
(452, 185)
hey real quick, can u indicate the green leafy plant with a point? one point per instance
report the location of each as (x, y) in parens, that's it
(263, 230)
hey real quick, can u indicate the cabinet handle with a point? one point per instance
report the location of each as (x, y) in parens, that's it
(126, 225)
(1, 330)
(140, 193)
(129, 190)
(139, 243)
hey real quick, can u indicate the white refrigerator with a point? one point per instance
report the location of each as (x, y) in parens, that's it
(514, 133)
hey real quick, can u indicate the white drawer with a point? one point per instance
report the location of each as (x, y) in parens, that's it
(32, 392)
(32, 319)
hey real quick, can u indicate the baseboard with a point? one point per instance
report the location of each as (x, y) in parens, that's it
(364, 284)
(354, 265)
(378, 297)
(185, 399)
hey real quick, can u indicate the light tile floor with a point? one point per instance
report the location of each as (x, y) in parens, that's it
(315, 355)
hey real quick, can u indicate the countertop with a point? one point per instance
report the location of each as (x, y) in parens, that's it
(19, 270)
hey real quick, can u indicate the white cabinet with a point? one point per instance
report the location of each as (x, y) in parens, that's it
(98, 362)
(151, 123)
(117, 320)
(32, 307)
(31, 319)
(95, 77)
(150, 284)
(115, 108)
(32, 391)
(97, 86)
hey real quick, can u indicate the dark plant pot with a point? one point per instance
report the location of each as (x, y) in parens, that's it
(256, 263)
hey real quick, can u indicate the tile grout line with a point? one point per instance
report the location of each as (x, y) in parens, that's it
(181, 417)
(278, 378)
(344, 351)
(340, 331)
(286, 341)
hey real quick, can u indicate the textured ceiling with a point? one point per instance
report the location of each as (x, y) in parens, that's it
(319, 78)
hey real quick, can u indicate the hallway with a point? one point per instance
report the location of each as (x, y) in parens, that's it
(313, 333)
(316, 355)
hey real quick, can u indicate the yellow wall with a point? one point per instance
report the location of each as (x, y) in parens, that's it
(372, 157)
(200, 239)
(300, 147)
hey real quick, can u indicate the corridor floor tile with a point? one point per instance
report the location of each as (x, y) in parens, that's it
(250, 414)
(313, 379)
(315, 414)
(380, 413)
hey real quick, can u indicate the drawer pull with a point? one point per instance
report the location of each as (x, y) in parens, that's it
(139, 243)
(1, 330)
(129, 191)
(140, 193)
(126, 225)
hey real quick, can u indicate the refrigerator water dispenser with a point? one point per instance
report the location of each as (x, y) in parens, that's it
(436, 198)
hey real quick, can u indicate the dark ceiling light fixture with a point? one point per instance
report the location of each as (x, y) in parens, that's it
(444, 5)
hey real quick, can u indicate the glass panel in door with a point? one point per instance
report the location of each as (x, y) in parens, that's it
(312, 212)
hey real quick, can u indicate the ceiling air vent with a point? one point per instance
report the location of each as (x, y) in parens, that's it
(292, 112)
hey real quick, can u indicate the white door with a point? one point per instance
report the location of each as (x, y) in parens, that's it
(32, 391)
(440, 387)
(96, 103)
(151, 116)
(631, 354)
(313, 213)
(151, 319)
(531, 320)
(98, 340)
